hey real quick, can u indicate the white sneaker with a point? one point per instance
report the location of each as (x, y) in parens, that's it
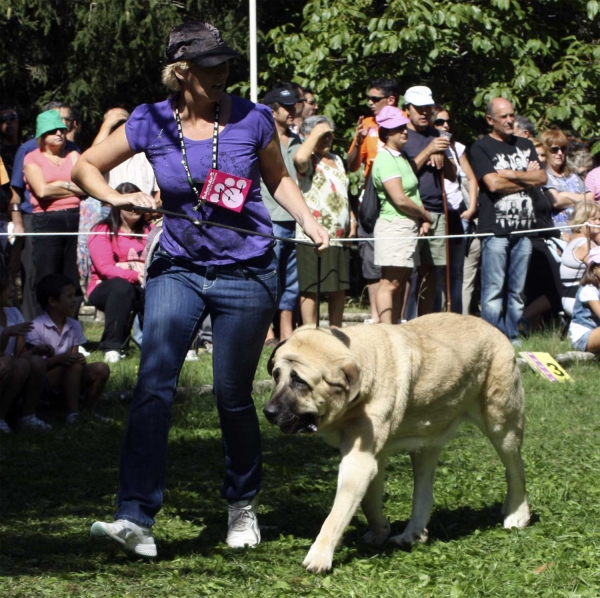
(132, 538)
(242, 525)
(191, 355)
(4, 427)
(83, 351)
(31, 422)
(112, 357)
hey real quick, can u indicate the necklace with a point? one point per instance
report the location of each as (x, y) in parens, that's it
(215, 150)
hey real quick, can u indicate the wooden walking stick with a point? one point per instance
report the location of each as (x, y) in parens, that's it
(445, 202)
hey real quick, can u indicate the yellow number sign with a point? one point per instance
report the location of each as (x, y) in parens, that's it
(544, 364)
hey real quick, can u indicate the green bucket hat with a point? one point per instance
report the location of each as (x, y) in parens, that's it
(48, 121)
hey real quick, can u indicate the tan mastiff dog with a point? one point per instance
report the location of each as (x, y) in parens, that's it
(375, 390)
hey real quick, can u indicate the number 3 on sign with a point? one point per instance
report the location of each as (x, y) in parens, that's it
(544, 364)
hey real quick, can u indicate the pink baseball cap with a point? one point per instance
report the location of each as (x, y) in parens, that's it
(594, 256)
(390, 117)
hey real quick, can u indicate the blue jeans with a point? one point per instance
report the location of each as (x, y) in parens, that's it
(504, 263)
(287, 264)
(241, 300)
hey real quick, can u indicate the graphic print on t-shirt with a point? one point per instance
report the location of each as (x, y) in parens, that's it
(514, 211)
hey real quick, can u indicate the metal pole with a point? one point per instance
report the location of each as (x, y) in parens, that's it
(253, 57)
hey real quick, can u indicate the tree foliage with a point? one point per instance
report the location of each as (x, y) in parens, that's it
(543, 55)
(95, 55)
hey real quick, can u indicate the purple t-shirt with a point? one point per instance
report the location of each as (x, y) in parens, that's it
(152, 129)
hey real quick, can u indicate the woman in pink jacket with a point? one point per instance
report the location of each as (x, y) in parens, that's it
(117, 272)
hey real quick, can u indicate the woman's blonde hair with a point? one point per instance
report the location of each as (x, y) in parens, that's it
(169, 78)
(584, 211)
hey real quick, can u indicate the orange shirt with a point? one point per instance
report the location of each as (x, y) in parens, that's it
(3, 174)
(370, 146)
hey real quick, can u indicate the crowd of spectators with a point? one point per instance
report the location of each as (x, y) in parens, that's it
(537, 195)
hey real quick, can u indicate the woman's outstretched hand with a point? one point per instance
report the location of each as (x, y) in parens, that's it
(129, 201)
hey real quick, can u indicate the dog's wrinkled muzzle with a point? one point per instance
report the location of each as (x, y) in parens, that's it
(288, 422)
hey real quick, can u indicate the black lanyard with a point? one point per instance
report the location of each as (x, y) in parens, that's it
(215, 151)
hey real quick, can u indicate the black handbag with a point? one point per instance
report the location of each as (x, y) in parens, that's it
(368, 211)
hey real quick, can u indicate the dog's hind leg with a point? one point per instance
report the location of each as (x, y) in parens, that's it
(424, 463)
(372, 506)
(501, 420)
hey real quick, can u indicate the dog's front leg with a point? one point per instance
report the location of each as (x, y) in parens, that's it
(372, 506)
(357, 470)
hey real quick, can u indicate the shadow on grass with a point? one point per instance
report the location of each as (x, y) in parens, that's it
(55, 485)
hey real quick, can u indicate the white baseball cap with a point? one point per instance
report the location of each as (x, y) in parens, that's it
(419, 95)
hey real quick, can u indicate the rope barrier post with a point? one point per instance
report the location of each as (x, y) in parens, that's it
(318, 290)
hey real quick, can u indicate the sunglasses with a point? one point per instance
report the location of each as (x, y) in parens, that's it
(440, 122)
(376, 99)
(54, 132)
(9, 118)
(556, 148)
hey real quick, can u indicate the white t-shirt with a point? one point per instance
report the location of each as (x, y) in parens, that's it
(588, 293)
(13, 316)
(136, 170)
(453, 192)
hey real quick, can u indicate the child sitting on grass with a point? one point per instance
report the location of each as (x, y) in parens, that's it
(19, 377)
(58, 336)
(584, 329)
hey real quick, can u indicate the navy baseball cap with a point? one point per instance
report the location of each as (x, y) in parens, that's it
(286, 96)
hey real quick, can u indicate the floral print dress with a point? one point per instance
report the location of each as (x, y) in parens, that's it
(325, 190)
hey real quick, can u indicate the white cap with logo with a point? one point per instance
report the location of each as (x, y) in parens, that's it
(419, 95)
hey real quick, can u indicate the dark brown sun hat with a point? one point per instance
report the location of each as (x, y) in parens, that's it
(198, 42)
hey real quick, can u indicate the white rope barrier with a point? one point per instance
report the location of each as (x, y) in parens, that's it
(83, 234)
(344, 240)
(467, 236)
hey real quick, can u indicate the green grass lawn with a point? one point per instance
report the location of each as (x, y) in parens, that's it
(53, 486)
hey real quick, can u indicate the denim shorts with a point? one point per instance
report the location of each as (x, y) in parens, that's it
(581, 343)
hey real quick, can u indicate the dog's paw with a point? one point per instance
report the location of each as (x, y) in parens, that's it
(377, 536)
(317, 560)
(407, 538)
(520, 518)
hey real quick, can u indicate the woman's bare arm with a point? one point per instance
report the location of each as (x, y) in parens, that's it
(395, 191)
(43, 190)
(99, 159)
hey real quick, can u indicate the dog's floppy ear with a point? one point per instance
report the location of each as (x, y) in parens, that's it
(353, 374)
(271, 360)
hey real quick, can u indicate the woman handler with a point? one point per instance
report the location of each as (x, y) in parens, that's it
(195, 273)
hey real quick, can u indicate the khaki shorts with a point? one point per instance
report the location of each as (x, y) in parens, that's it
(433, 251)
(395, 243)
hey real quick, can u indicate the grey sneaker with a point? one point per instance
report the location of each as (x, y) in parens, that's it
(132, 538)
(242, 525)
